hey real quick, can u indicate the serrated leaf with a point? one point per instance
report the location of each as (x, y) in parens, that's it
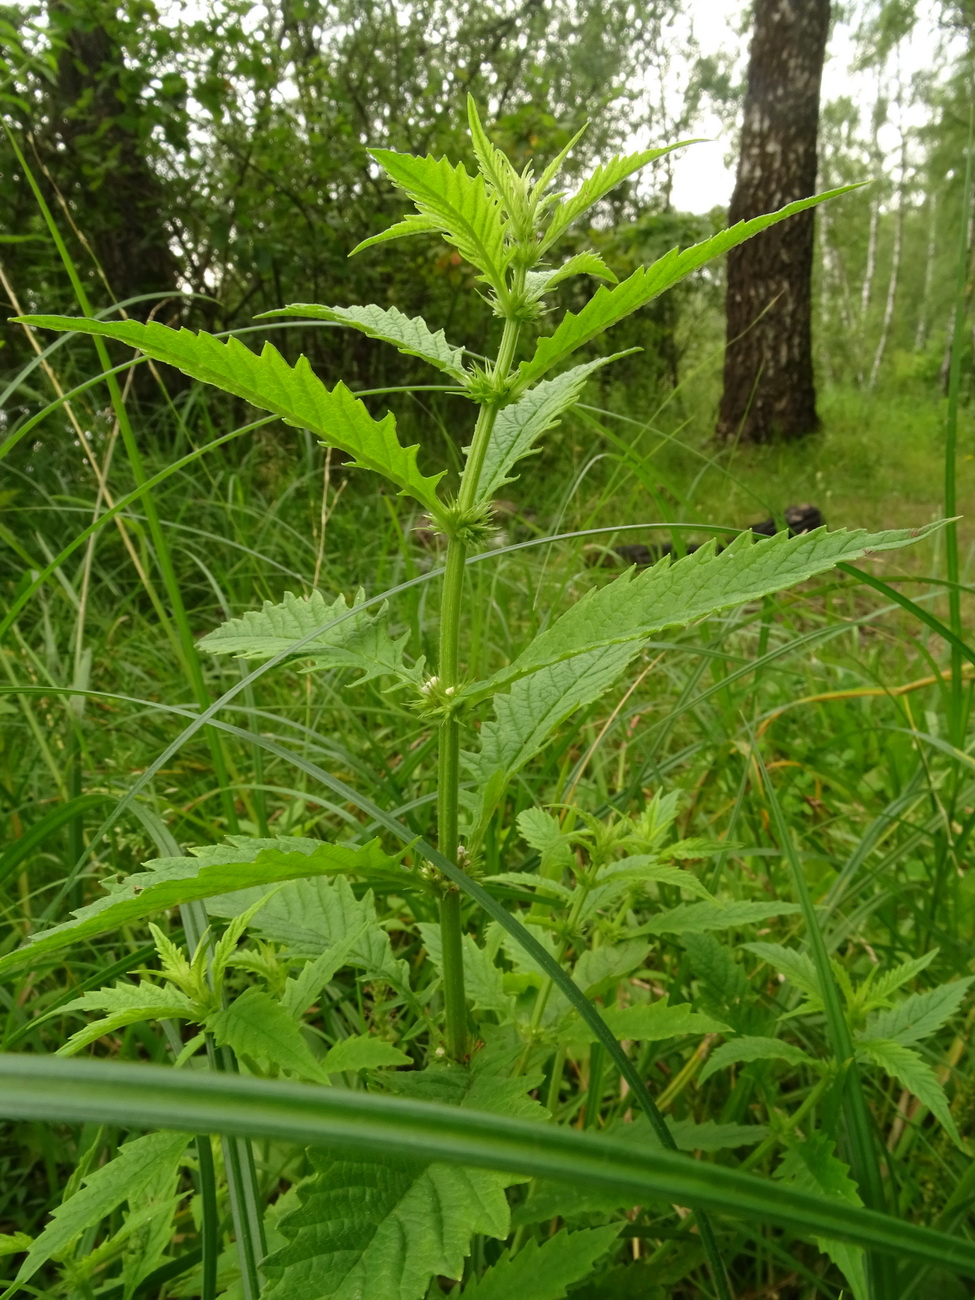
(712, 1136)
(126, 1004)
(267, 381)
(210, 871)
(919, 1015)
(889, 981)
(911, 1070)
(694, 918)
(412, 224)
(647, 869)
(13, 1243)
(595, 187)
(382, 1228)
(408, 334)
(543, 1272)
(259, 1029)
(673, 594)
(494, 164)
(362, 1052)
(535, 706)
(486, 1084)
(385, 1227)
(460, 205)
(300, 992)
(339, 637)
(537, 884)
(748, 1048)
(309, 917)
(600, 969)
(814, 1167)
(650, 1022)
(136, 1167)
(519, 425)
(713, 963)
(797, 967)
(609, 306)
(538, 283)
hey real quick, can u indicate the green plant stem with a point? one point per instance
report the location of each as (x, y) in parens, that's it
(448, 765)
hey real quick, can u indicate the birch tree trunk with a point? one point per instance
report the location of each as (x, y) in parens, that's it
(768, 373)
(895, 266)
(921, 336)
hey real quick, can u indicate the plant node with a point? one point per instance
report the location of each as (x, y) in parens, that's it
(487, 389)
(472, 526)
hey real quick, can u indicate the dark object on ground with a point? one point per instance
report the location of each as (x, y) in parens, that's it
(799, 519)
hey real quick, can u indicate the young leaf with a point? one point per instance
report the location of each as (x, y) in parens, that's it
(636, 605)
(519, 426)
(814, 1167)
(694, 918)
(595, 187)
(496, 167)
(747, 1048)
(919, 1015)
(455, 203)
(258, 1028)
(362, 1052)
(609, 306)
(543, 1272)
(342, 638)
(126, 1004)
(650, 1022)
(538, 283)
(267, 381)
(542, 832)
(913, 1072)
(408, 334)
(213, 870)
(126, 1178)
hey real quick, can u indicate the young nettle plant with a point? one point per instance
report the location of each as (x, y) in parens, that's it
(593, 875)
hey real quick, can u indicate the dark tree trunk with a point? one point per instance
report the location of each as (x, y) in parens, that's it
(97, 156)
(768, 376)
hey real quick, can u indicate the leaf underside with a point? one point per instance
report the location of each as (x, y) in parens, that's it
(408, 334)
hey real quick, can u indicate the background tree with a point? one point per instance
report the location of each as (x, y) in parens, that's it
(768, 370)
